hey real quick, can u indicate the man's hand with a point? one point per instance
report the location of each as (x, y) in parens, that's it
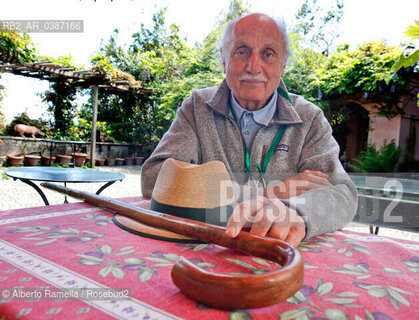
(296, 185)
(267, 217)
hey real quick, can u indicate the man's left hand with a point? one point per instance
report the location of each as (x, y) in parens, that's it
(267, 217)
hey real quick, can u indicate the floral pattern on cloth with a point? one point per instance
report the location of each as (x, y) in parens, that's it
(347, 275)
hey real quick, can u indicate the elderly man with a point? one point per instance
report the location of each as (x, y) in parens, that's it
(261, 132)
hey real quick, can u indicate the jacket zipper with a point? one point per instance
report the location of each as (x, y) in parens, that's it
(262, 160)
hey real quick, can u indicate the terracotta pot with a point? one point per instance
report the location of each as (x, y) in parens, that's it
(119, 161)
(79, 159)
(14, 160)
(110, 161)
(47, 161)
(64, 159)
(31, 160)
(129, 161)
(2, 160)
(139, 160)
(100, 162)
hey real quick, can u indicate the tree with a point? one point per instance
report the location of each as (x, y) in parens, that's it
(318, 26)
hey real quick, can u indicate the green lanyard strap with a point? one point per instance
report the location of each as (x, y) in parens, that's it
(271, 150)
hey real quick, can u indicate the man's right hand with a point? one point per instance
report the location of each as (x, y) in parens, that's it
(296, 185)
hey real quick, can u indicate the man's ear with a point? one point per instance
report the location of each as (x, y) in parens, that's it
(283, 69)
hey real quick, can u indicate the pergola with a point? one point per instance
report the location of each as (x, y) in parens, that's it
(89, 79)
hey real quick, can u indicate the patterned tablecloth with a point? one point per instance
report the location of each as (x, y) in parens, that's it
(347, 275)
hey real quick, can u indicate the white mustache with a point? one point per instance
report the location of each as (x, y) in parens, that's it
(253, 77)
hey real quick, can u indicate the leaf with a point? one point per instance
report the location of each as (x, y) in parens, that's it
(360, 249)
(401, 291)
(355, 268)
(125, 253)
(319, 282)
(118, 273)
(348, 254)
(45, 242)
(105, 271)
(171, 257)
(106, 249)
(326, 244)
(262, 262)
(398, 296)
(167, 264)
(200, 247)
(87, 262)
(293, 300)
(133, 260)
(391, 270)
(394, 302)
(413, 270)
(300, 296)
(346, 294)
(126, 248)
(377, 292)
(146, 274)
(365, 276)
(90, 258)
(343, 271)
(341, 250)
(336, 314)
(340, 301)
(156, 259)
(238, 274)
(241, 263)
(206, 265)
(368, 315)
(325, 288)
(410, 263)
(292, 314)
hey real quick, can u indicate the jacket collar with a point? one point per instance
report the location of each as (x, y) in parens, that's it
(285, 113)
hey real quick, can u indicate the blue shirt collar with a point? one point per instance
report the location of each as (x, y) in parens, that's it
(262, 116)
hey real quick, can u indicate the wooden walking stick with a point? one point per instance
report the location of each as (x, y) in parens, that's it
(217, 290)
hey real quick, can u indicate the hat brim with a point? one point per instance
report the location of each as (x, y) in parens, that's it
(138, 228)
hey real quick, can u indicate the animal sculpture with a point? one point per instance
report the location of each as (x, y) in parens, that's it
(23, 129)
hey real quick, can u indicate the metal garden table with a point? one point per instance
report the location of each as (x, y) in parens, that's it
(66, 175)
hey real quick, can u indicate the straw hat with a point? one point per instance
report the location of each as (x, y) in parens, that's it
(198, 192)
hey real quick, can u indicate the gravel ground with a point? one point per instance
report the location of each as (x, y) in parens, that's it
(16, 194)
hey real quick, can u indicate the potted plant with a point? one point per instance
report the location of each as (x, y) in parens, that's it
(119, 161)
(79, 159)
(31, 160)
(47, 161)
(14, 160)
(129, 161)
(100, 162)
(63, 159)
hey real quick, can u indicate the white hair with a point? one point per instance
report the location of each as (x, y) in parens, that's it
(226, 41)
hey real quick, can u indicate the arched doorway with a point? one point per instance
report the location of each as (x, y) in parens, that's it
(352, 134)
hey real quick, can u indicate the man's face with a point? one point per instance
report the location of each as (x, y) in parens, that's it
(255, 65)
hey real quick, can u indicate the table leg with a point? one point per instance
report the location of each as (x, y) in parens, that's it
(65, 197)
(104, 187)
(33, 185)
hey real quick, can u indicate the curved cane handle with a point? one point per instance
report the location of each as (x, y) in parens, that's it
(243, 292)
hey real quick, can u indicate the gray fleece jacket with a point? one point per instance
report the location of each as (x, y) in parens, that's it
(204, 130)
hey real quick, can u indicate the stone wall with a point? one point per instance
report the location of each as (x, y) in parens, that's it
(18, 145)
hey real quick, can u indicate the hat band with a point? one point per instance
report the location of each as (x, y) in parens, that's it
(218, 215)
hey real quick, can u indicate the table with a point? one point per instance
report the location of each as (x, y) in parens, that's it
(66, 175)
(347, 275)
(387, 201)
